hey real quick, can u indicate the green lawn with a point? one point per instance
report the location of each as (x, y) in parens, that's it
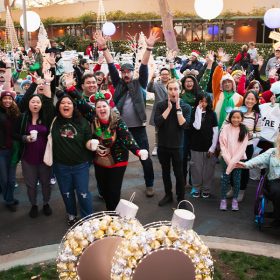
(228, 266)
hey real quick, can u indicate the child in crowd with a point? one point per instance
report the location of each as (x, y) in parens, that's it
(233, 144)
(204, 136)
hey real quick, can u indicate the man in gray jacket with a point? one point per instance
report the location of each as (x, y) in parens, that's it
(130, 97)
(273, 62)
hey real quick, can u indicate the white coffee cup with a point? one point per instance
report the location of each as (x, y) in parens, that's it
(93, 144)
(144, 154)
(33, 134)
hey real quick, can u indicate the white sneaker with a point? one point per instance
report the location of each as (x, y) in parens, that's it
(53, 181)
(240, 195)
(154, 152)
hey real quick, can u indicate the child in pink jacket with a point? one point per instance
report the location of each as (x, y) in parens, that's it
(233, 143)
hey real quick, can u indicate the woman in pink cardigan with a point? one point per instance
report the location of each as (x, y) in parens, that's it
(233, 143)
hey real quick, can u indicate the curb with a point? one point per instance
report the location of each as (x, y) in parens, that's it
(49, 252)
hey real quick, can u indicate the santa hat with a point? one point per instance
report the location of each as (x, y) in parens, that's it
(228, 77)
(195, 53)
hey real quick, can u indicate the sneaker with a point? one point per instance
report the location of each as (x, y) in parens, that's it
(223, 205)
(53, 181)
(234, 205)
(11, 207)
(72, 222)
(205, 194)
(230, 193)
(149, 191)
(47, 210)
(154, 152)
(240, 195)
(195, 194)
(165, 200)
(33, 213)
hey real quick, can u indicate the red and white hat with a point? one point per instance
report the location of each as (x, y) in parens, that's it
(195, 53)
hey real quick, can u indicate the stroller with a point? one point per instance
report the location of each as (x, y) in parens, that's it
(261, 201)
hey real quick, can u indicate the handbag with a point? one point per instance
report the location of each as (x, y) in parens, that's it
(48, 155)
(103, 156)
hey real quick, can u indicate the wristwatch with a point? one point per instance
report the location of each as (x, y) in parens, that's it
(179, 110)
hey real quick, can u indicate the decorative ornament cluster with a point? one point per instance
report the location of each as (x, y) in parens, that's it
(87, 231)
(160, 236)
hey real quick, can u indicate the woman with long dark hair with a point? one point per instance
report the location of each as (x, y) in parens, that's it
(253, 123)
(203, 141)
(233, 142)
(9, 112)
(32, 129)
(71, 136)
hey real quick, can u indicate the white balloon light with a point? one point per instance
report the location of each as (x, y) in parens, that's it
(208, 9)
(33, 21)
(108, 28)
(272, 18)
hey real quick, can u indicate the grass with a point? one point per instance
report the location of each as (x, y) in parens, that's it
(228, 266)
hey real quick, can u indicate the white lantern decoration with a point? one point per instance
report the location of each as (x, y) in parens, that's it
(272, 18)
(208, 9)
(33, 21)
(108, 28)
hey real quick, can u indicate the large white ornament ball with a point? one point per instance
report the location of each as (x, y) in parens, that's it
(208, 9)
(33, 21)
(108, 28)
(272, 18)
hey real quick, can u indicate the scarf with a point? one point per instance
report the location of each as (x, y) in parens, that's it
(228, 102)
(189, 97)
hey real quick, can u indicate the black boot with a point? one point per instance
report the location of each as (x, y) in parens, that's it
(166, 199)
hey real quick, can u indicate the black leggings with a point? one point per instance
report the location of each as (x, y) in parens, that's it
(245, 172)
(109, 181)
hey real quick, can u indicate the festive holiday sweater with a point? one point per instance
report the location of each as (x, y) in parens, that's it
(115, 143)
(69, 141)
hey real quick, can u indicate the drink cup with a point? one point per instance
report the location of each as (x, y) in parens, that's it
(94, 143)
(144, 154)
(33, 134)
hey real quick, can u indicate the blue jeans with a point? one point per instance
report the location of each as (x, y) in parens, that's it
(7, 176)
(70, 178)
(140, 136)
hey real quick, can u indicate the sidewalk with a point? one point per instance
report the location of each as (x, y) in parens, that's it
(49, 252)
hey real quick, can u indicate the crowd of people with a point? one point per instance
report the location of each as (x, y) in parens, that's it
(203, 111)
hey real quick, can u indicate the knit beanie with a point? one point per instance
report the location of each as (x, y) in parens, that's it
(27, 80)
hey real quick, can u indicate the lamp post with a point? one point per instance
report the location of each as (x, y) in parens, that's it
(25, 32)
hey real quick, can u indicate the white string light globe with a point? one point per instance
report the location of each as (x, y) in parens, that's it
(208, 9)
(33, 21)
(109, 28)
(272, 18)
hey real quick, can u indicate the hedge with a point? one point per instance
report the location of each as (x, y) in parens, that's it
(79, 44)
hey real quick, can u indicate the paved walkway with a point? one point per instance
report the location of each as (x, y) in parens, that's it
(18, 232)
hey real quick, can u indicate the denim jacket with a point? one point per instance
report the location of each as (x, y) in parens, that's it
(267, 160)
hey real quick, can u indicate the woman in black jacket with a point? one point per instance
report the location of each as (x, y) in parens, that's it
(9, 112)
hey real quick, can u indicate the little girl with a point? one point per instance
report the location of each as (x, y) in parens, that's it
(233, 143)
(204, 137)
